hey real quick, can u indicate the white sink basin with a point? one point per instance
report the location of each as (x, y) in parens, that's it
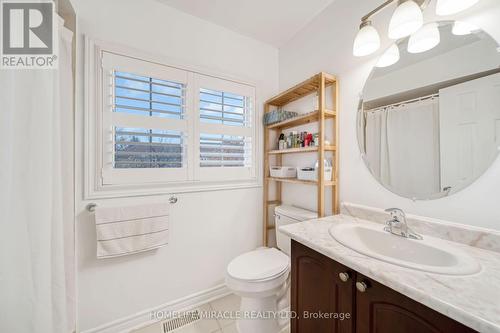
(430, 254)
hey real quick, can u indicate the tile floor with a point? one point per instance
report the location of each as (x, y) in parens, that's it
(228, 303)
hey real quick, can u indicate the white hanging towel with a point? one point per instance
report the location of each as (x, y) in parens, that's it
(128, 230)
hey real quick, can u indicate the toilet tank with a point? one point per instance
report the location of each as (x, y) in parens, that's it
(285, 215)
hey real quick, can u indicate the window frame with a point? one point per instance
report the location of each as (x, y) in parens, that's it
(94, 172)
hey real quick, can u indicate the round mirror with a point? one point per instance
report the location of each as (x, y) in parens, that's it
(429, 117)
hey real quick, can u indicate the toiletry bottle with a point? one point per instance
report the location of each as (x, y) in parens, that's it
(281, 142)
(308, 139)
(316, 139)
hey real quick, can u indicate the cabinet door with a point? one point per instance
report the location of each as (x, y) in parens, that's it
(319, 296)
(380, 309)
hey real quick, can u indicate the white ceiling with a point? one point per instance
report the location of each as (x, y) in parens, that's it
(270, 21)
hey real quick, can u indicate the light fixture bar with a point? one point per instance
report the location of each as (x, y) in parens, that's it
(376, 10)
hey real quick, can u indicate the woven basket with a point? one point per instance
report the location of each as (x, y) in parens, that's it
(277, 116)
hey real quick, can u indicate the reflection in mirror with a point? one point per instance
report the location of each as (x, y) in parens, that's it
(429, 122)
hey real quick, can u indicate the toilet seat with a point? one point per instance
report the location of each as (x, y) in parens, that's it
(259, 265)
(259, 273)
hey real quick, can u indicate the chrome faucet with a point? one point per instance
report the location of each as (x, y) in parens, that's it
(398, 226)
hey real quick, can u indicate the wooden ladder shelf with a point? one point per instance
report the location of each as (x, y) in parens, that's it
(316, 84)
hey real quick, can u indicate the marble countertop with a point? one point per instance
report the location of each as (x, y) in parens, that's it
(472, 300)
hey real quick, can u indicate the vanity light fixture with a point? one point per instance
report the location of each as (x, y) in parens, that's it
(450, 7)
(367, 40)
(463, 28)
(407, 19)
(424, 39)
(389, 58)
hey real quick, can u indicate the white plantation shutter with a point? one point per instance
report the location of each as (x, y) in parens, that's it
(225, 151)
(219, 107)
(157, 125)
(147, 148)
(144, 121)
(226, 129)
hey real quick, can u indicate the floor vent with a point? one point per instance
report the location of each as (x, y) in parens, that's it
(185, 319)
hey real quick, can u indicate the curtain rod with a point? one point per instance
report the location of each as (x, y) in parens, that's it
(414, 100)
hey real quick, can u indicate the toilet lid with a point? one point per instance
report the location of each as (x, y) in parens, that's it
(260, 264)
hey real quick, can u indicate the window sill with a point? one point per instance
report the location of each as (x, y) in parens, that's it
(109, 192)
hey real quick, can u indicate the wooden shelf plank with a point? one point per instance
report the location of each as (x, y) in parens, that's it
(330, 183)
(300, 90)
(300, 150)
(301, 120)
(330, 113)
(299, 181)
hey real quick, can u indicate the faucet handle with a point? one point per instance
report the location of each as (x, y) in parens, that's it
(390, 210)
(396, 212)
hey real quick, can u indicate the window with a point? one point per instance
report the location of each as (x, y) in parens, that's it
(225, 151)
(147, 148)
(219, 107)
(144, 122)
(163, 126)
(147, 96)
(223, 108)
(225, 129)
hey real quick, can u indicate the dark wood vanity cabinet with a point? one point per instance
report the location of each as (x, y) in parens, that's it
(317, 292)
(319, 286)
(381, 309)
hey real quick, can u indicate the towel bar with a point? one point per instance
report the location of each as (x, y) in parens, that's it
(91, 206)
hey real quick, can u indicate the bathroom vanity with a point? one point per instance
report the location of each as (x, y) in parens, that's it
(331, 281)
(322, 287)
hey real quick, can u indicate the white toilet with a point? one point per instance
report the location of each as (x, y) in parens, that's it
(261, 278)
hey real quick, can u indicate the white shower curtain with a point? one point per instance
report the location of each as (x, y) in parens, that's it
(36, 229)
(413, 148)
(376, 144)
(402, 147)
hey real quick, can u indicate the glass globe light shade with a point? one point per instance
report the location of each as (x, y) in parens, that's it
(407, 19)
(389, 58)
(450, 7)
(367, 40)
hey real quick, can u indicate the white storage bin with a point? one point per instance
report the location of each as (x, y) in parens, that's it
(283, 172)
(312, 174)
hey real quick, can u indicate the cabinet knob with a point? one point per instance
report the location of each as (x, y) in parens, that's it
(361, 286)
(344, 276)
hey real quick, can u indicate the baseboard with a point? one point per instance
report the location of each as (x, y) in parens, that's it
(143, 318)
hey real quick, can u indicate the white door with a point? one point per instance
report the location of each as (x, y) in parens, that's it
(469, 130)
